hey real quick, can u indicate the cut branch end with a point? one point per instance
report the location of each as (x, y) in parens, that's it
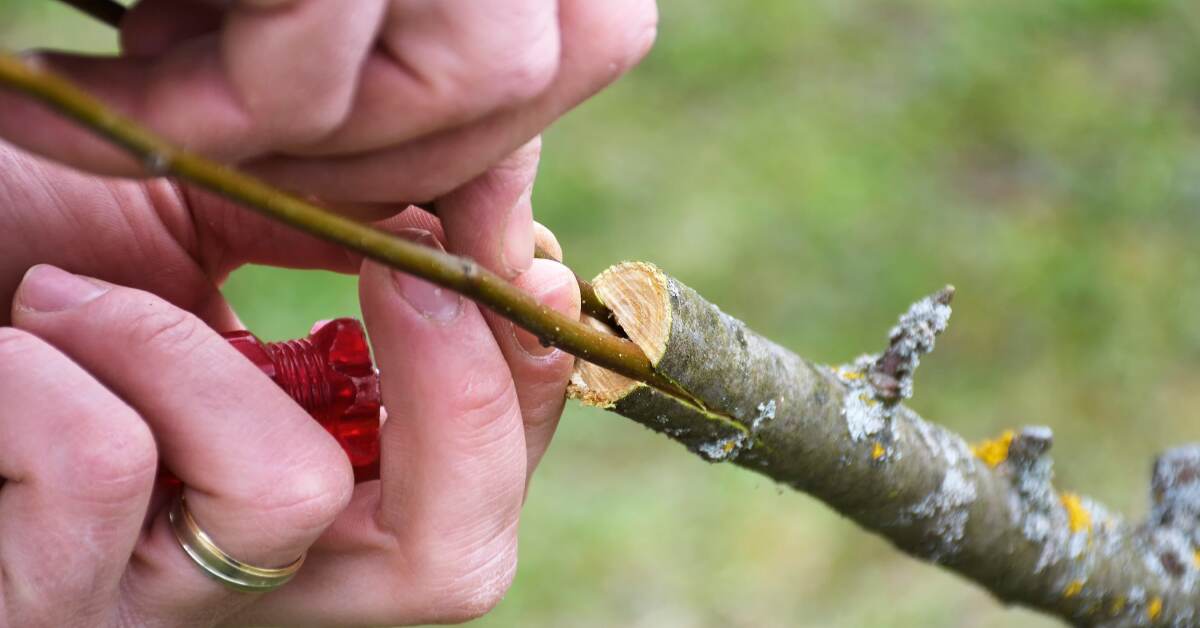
(637, 295)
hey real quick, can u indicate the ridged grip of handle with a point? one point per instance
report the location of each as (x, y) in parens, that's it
(330, 374)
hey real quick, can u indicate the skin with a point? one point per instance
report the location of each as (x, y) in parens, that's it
(110, 307)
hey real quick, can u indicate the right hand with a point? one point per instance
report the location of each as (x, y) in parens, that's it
(370, 101)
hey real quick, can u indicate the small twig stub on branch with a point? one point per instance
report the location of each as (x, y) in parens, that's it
(891, 374)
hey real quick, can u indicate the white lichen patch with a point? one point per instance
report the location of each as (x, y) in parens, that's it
(865, 415)
(728, 448)
(938, 442)
(677, 432)
(1172, 554)
(765, 414)
(1039, 515)
(947, 510)
(1177, 488)
(723, 449)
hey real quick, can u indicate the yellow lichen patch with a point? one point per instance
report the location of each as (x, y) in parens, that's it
(1154, 608)
(1073, 589)
(729, 445)
(867, 399)
(1196, 559)
(1116, 606)
(1078, 517)
(995, 451)
(878, 452)
(851, 375)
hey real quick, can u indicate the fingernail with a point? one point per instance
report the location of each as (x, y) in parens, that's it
(518, 235)
(431, 301)
(551, 295)
(545, 244)
(49, 289)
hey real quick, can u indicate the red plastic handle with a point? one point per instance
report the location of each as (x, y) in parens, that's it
(331, 375)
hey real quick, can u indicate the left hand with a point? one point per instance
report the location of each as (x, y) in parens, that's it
(471, 402)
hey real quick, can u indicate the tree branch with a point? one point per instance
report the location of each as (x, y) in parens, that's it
(701, 377)
(989, 512)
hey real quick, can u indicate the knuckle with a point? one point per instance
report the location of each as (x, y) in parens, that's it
(105, 437)
(524, 77)
(632, 38)
(166, 326)
(310, 498)
(503, 73)
(309, 120)
(15, 343)
(299, 117)
(119, 454)
(484, 399)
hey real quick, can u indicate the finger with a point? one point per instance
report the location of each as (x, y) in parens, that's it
(157, 236)
(445, 63)
(545, 243)
(268, 79)
(264, 241)
(79, 465)
(453, 466)
(63, 205)
(152, 27)
(539, 372)
(261, 477)
(225, 236)
(600, 41)
(490, 219)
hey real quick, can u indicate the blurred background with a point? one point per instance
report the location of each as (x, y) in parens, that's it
(813, 167)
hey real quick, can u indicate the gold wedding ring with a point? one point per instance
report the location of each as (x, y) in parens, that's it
(226, 569)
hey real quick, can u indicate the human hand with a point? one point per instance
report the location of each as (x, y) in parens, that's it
(367, 101)
(83, 537)
(365, 106)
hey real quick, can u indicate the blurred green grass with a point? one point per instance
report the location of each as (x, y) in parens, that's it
(812, 168)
